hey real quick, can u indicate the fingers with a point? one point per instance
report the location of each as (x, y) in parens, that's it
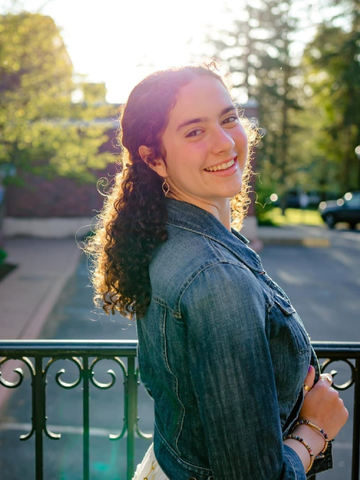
(309, 380)
(325, 384)
(327, 377)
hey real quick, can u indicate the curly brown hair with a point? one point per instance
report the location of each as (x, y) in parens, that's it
(132, 223)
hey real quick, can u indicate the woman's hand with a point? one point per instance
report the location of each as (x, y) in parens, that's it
(322, 404)
(324, 408)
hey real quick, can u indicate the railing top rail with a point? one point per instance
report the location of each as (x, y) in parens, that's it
(337, 349)
(128, 347)
(66, 347)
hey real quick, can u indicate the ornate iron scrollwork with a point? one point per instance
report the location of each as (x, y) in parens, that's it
(76, 361)
(20, 373)
(105, 386)
(345, 385)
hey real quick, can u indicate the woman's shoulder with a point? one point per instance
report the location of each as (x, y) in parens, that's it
(185, 252)
(184, 256)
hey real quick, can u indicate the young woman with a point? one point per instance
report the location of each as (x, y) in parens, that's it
(236, 385)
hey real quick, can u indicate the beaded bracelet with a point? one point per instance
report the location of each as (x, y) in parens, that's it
(306, 445)
(315, 427)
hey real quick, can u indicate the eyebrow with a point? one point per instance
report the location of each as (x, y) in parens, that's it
(205, 119)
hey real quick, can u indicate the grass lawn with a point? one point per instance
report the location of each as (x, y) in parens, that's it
(293, 216)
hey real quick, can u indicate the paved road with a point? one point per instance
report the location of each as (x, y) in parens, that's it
(323, 284)
(324, 287)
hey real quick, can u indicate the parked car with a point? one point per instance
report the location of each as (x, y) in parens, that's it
(345, 209)
(298, 198)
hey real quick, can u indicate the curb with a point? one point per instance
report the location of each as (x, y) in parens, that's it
(38, 320)
(309, 242)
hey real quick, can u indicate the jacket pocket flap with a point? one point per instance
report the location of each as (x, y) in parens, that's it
(285, 305)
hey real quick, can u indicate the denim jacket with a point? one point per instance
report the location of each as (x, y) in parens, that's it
(224, 355)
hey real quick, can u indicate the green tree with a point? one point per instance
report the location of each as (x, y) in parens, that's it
(332, 62)
(41, 130)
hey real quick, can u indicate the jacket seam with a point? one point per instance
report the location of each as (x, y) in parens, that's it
(192, 278)
(189, 466)
(216, 250)
(180, 422)
(217, 240)
(162, 303)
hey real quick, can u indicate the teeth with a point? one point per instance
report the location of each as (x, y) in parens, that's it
(223, 166)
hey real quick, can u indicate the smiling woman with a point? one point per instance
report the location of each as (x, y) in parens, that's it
(222, 351)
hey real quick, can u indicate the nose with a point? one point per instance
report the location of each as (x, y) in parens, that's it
(222, 141)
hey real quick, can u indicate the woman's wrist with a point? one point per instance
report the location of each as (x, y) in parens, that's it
(317, 429)
(313, 439)
(311, 436)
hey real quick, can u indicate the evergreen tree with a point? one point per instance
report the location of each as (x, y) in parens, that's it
(332, 60)
(258, 51)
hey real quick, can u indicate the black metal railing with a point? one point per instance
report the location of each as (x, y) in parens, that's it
(39, 355)
(349, 353)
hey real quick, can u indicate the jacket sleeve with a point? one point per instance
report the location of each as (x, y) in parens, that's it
(232, 376)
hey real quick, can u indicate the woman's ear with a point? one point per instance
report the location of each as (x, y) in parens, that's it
(156, 164)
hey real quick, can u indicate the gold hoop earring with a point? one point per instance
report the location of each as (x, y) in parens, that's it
(165, 187)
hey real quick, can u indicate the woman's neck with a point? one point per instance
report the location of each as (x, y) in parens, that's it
(220, 209)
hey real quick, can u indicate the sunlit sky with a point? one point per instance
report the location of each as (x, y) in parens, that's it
(119, 42)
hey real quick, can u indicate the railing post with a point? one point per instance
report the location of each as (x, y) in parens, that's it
(38, 408)
(86, 418)
(356, 424)
(131, 415)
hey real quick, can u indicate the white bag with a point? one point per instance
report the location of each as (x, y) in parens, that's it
(149, 469)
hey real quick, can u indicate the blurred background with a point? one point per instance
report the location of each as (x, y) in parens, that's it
(66, 68)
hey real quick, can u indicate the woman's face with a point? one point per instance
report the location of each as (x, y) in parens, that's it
(205, 145)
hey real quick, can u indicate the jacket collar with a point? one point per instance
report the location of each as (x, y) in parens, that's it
(195, 219)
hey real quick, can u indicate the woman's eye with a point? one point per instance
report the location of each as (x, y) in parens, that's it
(231, 119)
(194, 133)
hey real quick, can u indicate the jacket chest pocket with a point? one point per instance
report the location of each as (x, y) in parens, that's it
(288, 324)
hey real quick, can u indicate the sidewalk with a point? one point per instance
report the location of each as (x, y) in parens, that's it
(28, 293)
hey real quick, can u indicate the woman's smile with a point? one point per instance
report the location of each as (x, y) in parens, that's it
(223, 169)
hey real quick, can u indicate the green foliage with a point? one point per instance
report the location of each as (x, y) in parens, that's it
(94, 92)
(332, 62)
(41, 129)
(271, 216)
(263, 192)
